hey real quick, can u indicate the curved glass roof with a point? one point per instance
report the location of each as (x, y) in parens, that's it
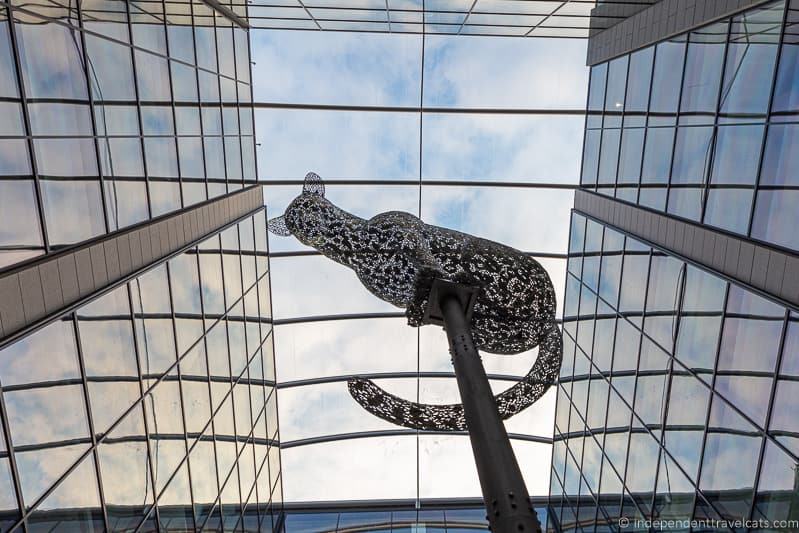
(476, 134)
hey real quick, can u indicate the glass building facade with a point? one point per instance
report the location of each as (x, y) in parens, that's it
(150, 405)
(716, 145)
(678, 383)
(144, 99)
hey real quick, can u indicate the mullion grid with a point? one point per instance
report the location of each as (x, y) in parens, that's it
(87, 69)
(95, 441)
(172, 102)
(762, 432)
(769, 411)
(90, 421)
(12, 33)
(706, 185)
(767, 125)
(138, 116)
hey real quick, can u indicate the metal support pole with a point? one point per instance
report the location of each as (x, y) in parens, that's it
(504, 492)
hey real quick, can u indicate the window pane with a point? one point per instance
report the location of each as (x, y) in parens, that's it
(781, 158)
(776, 218)
(365, 70)
(500, 147)
(111, 70)
(786, 89)
(669, 57)
(729, 209)
(73, 210)
(51, 161)
(42, 415)
(657, 155)
(74, 504)
(456, 207)
(638, 80)
(55, 343)
(380, 145)
(754, 37)
(692, 155)
(152, 76)
(20, 221)
(51, 59)
(703, 60)
(8, 76)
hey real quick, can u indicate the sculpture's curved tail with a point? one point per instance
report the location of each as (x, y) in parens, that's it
(450, 417)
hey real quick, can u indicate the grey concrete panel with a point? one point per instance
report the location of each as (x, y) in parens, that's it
(658, 22)
(731, 257)
(776, 272)
(51, 285)
(43, 289)
(720, 252)
(83, 263)
(760, 267)
(748, 263)
(123, 251)
(790, 280)
(99, 268)
(30, 283)
(112, 258)
(68, 272)
(11, 312)
(745, 258)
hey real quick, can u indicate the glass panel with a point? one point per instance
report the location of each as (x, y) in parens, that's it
(775, 219)
(737, 154)
(111, 70)
(174, 504)
(18, 205)
(8, 76)
(332, 466)
(455, 208)
(14, 159)
(638, 80)
(73, 505)
(152, 77)
(702, 75)
(8, 501)
(50, 59)
(776, 490)
(781, 158)
(729, 209)
(125, 470)
(657, 155)
(55, 343)
(692, 155)
(786, 94)
(754, 38)
(590, 157)
(500, 147)
(50, 160)
(384, 145)
(73, 210)
(609, 156)
(669, 57)
(61, 410)
(615, 91)
(39, 469)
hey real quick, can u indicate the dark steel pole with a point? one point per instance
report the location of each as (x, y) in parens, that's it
(504, 492)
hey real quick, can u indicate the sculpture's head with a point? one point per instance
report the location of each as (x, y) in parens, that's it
(316, 222)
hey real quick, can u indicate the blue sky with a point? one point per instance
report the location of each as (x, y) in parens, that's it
(360, 69)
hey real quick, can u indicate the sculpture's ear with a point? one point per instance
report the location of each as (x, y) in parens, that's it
(313, 184)
(278, 226)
